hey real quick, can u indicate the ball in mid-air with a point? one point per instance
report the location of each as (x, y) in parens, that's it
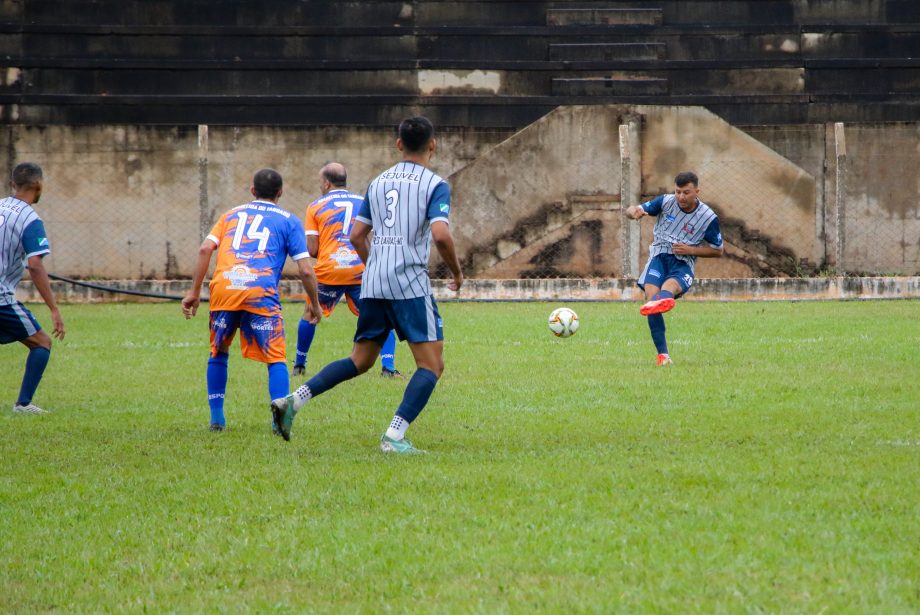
(563, 322)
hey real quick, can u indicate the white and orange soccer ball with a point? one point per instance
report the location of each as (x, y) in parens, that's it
(563, 322)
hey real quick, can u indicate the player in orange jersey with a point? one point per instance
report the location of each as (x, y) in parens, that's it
(338, 268)
(252, 242)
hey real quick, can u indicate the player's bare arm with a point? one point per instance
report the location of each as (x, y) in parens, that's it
(192, 299)
(701, 251)
(635, 212)
(42, 283)
(313, 245)
(312, 311)
(360, 239)
(444, 242)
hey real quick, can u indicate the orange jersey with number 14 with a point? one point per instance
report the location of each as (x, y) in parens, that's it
(330, 219)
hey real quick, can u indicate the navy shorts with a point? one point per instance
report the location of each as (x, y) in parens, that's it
(331, 294)
(414, 320)
(666, 267)
(16, 323)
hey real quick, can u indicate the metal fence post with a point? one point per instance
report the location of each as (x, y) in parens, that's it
(630, 190)
(840, 150)
(204, 212)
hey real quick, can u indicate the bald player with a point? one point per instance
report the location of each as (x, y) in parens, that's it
(338, 267)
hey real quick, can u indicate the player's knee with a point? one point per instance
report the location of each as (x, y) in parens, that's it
(39, 339)
(362, 363)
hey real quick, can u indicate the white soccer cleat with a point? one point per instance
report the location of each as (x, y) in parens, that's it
(29, 409)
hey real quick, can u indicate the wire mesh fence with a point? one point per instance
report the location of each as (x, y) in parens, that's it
(134, 203)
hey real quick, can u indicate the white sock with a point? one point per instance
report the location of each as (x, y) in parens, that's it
(397, 429)
(301, 396)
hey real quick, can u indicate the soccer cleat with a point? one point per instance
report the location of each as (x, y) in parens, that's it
(299, 370)
(283, 412)
(657, 306)
(217, 427)
(391, 373)
(664, 359)
(404, 447)
(29, 409)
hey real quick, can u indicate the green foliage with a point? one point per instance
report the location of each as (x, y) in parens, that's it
(773, 468)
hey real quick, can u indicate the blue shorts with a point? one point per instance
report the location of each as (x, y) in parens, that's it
(16, 323)
(261, 337)
(331, 294)
(666, 267)
(414, 320)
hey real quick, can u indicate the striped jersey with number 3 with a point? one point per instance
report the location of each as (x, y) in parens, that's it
(400, 205)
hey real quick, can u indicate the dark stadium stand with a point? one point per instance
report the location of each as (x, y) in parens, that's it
(465, 63)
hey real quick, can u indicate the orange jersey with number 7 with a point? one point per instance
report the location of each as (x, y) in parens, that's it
(330, 218)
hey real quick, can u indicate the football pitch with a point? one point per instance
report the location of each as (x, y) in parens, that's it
(775, 467)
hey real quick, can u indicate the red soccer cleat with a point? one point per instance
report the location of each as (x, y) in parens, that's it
(664, 359)
(657, 306)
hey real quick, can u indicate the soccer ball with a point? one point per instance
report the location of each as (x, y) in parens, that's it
(563, 322)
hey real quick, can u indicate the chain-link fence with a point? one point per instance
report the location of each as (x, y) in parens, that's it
(547, 202)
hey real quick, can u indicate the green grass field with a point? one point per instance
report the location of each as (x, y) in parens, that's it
(774, 468)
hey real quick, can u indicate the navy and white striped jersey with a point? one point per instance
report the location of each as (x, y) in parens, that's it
(400, 205)
(22, 234)
(674, 225)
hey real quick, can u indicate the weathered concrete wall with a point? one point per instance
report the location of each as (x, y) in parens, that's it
(123, 201)
(572, 151)
(881, 221)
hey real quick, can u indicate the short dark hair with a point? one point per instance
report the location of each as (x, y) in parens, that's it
(334, 177)
(26, 174)
(267, 183)
(416, 133)
(687, 177)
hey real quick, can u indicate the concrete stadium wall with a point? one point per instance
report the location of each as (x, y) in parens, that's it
(134, 202)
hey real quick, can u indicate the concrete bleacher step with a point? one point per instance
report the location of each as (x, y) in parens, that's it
(607, 51)
(602, 17)
(609, 86)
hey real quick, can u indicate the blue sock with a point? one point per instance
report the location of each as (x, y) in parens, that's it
(217, 387)
(388, 352)
(305, 332)
(331, 375)
(279, 383)
(418, 391)
(656, 325)
(35, 367)
(664, 294)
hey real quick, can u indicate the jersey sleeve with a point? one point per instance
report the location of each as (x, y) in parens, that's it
(297, 240)
(713, 234)
(34, 240)
(653, 207)
(310, 225)
(439, 203)
(364, 211)
(217, 231)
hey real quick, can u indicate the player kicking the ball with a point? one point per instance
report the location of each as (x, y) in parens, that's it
(684, 223)
(406, 206)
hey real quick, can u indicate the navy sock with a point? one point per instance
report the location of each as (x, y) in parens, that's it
(217, 387)
(279, 383)
(388, 352)
(331, 375)
(418, 391)
(656, 325)
(305, 332)
(35, 367)
(664, 294)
